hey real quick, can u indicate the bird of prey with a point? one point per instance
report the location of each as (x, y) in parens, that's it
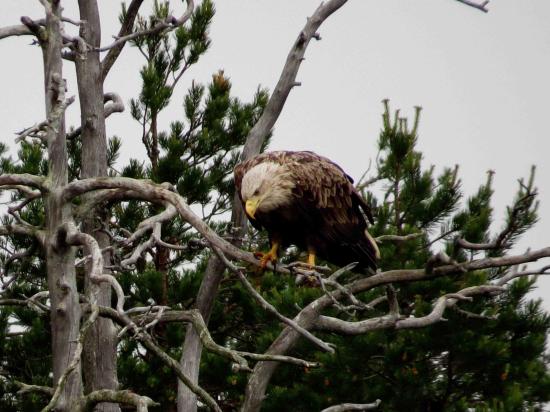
(307, 200)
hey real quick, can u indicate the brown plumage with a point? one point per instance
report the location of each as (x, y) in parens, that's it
(305, 199)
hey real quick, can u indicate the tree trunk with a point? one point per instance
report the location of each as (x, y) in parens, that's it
(192, 346)
(263, 371)
(65, 309)
(99, 355)
(162, 258)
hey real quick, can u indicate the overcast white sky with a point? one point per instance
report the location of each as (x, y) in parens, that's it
(482, 79)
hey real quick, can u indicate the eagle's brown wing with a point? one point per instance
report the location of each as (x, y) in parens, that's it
(329, 184)
(326, 197)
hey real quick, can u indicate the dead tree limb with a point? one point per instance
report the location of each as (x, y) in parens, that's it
(170, 23)
(309, 316)
(346, 407)
(123, 397)
(126, 28)
(480, 6)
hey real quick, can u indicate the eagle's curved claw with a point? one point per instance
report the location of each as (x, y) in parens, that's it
(270, 256)
(266, 258)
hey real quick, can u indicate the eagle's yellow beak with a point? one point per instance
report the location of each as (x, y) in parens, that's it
(251, 206)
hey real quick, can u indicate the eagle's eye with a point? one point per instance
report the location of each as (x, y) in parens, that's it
(256, 192)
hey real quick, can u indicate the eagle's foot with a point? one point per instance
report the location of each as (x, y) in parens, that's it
(307, 271)
(266, 258)
(270, 256)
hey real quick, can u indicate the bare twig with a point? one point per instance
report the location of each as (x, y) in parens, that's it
(472, 315)
(170, 23)
(480, 6)
(149, 224)
(503, 237)
(514, 273)
(125, 28)
(36, 131)
(268, 306)
(238, 357)
(147, 341)
(395, 322)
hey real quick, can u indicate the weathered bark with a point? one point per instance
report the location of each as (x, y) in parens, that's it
(65, 309)
(261, 375)
(162, 259)
(192, 346)
(99, 356)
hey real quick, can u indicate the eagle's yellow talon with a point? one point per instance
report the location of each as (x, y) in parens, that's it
(311, 258)
(270, 256)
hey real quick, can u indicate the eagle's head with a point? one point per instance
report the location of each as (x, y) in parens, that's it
(265, 187)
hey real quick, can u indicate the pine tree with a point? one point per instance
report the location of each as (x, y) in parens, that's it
(488, 356)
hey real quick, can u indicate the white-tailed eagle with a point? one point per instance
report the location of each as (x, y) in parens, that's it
(307, 200)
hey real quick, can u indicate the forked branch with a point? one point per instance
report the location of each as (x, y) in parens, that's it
(170, 23)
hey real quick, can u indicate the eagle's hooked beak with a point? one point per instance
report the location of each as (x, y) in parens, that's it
(251, 206)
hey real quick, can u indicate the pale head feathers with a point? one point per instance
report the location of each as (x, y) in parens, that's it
(271, 183)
